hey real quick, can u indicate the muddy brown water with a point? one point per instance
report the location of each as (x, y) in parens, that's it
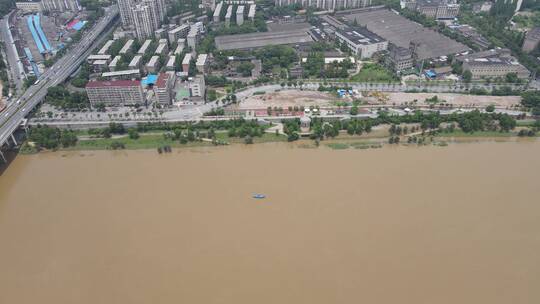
(456, 224)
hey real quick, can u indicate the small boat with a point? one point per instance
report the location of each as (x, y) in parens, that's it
(259, 196)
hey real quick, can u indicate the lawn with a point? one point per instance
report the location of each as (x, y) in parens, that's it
(371, 72)
(152, 141)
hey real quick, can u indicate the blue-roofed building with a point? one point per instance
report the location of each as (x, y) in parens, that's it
(37, 24)
(151, 79)
(35, 36)
(430, 74)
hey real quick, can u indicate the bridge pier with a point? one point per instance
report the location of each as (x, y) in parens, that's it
(3, 157)
(14, 141)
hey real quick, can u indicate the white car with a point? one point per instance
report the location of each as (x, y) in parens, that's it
(23, 109)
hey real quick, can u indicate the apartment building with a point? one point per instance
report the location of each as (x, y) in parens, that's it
(164, 88)
(114, 93)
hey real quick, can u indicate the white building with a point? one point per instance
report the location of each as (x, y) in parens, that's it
(240, 15)
(202, 63)
(251, 13)
(197, 87)
(144, 47)
(146, 18)
(217, 12)
(135, 63)
(228, 16)
(153, 65)
(171, 63)
(125, 12)
(127, 46)
(114, 63)
(361, 42)
(105, 47)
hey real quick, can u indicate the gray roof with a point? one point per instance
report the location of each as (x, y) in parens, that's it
(359, 35)
(257, 40)
(401, 31)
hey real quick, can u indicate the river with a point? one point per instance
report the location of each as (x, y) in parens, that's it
(455, 224)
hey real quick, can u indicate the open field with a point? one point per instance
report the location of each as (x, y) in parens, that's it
(286, 98)
(456, 99)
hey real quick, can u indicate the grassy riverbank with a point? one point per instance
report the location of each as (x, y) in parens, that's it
(155, 140)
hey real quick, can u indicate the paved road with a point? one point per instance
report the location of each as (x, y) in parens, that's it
(13, 115)
(16, 69)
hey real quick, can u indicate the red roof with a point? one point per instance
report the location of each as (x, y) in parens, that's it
(162, 80)
(113, 83)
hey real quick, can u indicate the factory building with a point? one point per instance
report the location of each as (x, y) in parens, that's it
(361, 42)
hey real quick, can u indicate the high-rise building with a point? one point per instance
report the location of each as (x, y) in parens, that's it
(145, 19)
(155, 12)
(125, 12)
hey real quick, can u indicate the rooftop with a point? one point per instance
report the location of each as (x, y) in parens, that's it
(135, 61)
(359, 35)
(162, 80)
(119, 73)
(257, 40)
(201, 59)
(153, 61)
(401, 31)
(113, 83)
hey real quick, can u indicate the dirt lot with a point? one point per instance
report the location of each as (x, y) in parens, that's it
(455, 99)
(288, 98)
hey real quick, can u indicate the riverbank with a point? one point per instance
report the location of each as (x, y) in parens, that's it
(375, 139)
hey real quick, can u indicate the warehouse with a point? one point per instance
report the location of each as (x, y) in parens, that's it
(258, 40)
(405, 33)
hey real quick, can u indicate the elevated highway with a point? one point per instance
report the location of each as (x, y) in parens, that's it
(14, 114)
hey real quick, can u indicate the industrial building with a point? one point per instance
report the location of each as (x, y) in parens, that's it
(116, 92)
(492, 64)
(436, 9)
(424, 43)
(297, 36)
(331, 5)
(399, 58)
(361, 42)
